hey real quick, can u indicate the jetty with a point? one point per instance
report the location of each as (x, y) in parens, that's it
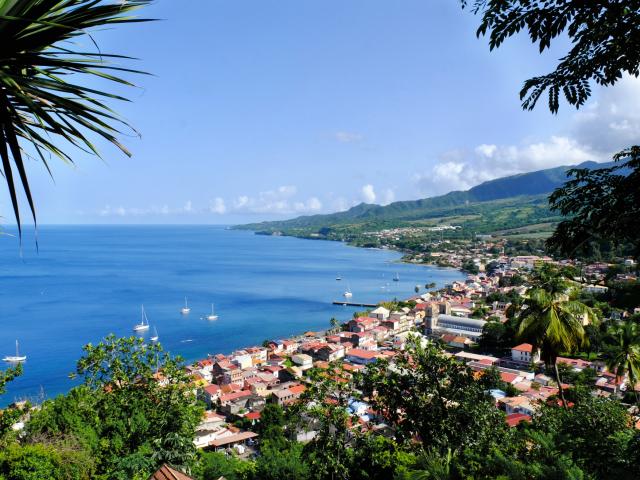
(355, 304)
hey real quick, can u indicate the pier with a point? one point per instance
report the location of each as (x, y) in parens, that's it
(355, 304)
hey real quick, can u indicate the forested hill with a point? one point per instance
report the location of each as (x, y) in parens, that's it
(526, 192)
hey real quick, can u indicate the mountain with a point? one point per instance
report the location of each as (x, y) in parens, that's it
(507, 202)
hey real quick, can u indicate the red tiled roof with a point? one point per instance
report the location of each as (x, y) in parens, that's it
(212, 389)
(297, 389)
(523, 347)
(253, 416)
(515, 418)
(235, 395)
(366, 354)
(508, 377)
(165, 472)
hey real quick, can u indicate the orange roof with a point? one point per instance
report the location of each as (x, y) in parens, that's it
(165, 472)
(366, 354)
(523, 347)
(297, 389)
(515, 418)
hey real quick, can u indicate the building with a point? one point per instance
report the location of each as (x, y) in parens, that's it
(439, 324)
(523, 353)
(361, 357)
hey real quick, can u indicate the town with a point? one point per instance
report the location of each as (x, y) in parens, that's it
(466, 318)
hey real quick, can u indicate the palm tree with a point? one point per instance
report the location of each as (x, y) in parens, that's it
(552, 323)
(622, 352)
(45, 106)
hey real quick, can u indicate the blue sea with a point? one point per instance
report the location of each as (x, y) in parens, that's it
(86, 282)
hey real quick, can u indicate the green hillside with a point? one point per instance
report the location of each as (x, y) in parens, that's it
(499, 206)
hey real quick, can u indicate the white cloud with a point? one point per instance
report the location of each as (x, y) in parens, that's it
(368, 194)
(153, 210)
(458, 170)
(388, 196)
(613, 121)
(218, 206)
(348, 137)
(278, 201)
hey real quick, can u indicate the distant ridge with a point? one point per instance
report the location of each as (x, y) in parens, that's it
(523, 189)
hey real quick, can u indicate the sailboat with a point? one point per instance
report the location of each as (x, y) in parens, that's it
(144, 323)
(396, 278)
(154, 337)
(15, 358)
(348, 293)
(212, 315)
(338, 278)
(185, 310)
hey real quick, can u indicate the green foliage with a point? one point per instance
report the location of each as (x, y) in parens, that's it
(43, 102)
(601, 205)
(214, 465)
(434, 398)
(45, 462)
(595, 433)
(603, 35)
(129, 421)
(277, 463)
(622, 351)
(8, 375)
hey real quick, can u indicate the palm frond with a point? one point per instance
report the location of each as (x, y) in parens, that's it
(44, 101)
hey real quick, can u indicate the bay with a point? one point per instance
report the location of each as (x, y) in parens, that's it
(88, 281)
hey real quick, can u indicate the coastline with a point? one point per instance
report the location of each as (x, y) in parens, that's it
(262, 288)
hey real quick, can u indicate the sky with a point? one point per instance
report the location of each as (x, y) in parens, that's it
(270, 109)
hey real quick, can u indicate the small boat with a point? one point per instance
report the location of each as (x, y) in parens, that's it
(212, 315)
(338, 278)
(17, 358)
(347, 293)
(396, 278)
(144, 323)
(185, 310)
(154, 337)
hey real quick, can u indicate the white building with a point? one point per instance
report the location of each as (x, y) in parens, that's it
(523, 353)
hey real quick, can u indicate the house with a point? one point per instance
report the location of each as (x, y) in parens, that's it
(233, 396)
(380, 313)
(518, 404)
(516, 418)
(440, 324)
(288, 395)
(211, 394)
(523, 353)
(303, 360)
(165, 472)
(361, 357)
(361, 324)
(232, 441)
(330, 352)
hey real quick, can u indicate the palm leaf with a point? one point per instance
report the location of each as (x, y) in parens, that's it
(43, 101)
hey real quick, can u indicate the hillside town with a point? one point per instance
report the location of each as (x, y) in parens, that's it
(237, 387)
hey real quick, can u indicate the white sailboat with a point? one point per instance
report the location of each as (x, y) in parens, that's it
(338, 278)
(154, 337)
(347, 293)
(185, 310)
(144, 323)
(212, 315)
(396, 278)
(15, 358)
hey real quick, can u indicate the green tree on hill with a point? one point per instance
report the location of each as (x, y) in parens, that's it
(134, 411)
(601, 204)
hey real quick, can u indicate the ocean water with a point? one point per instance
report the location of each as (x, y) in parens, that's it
(86, 282)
